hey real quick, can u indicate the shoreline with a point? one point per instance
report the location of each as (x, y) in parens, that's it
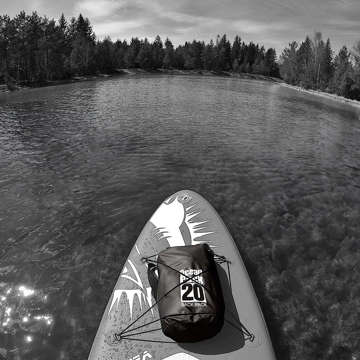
(14, 88)
(4, 89)
(323, 94)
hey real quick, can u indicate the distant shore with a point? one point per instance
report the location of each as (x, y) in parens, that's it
(319, 93)
(323, 94)
(136, 71)
(202, 73)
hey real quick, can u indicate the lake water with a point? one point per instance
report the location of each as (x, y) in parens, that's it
(84, 165)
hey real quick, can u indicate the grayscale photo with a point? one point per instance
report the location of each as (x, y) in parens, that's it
(179, 180)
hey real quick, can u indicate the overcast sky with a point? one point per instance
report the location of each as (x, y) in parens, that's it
(269, 22)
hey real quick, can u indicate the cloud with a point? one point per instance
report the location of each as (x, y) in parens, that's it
(97, 8)
(256, 27)
(114, 28)
(126, 29)
(125, 19)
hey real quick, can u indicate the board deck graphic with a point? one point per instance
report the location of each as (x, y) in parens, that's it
(184, 218)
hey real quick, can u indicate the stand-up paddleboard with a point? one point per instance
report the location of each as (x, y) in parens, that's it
(185, 218)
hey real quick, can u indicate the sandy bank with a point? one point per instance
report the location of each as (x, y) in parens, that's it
(324, 95)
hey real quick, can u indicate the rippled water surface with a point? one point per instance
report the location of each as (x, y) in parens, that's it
(83, 166)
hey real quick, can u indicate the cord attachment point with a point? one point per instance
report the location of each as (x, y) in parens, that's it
(118, 337)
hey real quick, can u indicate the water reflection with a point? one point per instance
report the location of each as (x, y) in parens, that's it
(24, 319)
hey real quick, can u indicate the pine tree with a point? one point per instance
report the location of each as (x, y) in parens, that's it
(168, 60)
(157, 52)
(271, 66)
(342, 79)
(235, 53)
(83, 46)
(63, 49)
(84, 29)
(224, 54)
(145, 57)
(250, 54)
(62, 23)
(20, 46)
(326, 65)
(105, 56)
(259, 66)
(120, 48)
(289, 64)
(189, 61)
(196, 49)
(305, 63)
(179, 58)
(207, 56)
(132, 52)
(5, 41)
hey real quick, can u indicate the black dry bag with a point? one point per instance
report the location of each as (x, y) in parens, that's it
(190, 300)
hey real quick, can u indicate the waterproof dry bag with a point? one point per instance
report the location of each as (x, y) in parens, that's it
(190, 300)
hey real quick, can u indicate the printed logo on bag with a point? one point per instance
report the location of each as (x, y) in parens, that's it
(192, 292)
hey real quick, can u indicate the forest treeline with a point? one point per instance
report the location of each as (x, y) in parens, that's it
(312, 65)
(36, 49)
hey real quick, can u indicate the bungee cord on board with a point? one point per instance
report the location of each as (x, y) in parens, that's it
(127, 333)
